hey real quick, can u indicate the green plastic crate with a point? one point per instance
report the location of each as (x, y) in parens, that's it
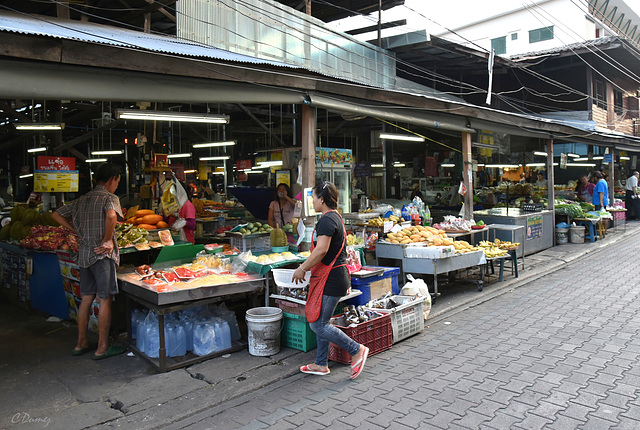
(297, 334)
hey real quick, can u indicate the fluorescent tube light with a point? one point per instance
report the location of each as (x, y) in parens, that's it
(184, 155)
(448, 165)
(152, 115)
(190, 171)
(115, 152)
(544, 154)
(270, 163)
(26, 176)
(219, 157)
(598, 157)
(95, 160)
(581, 164)
(42, 148)
(407, 137)
(480, 165)
(581, 159)
(572, 155)
(377, 165)
(536, 164)
(214, 144)
(39, 126)
(483, 145)
(253, 171)
(625, 158)
(398, 164)
(503, 166)
(217, 173)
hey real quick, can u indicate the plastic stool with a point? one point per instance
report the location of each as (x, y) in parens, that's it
(591, 233)
(601, 230)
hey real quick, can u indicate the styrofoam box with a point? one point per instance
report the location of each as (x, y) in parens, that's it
(429, 251)
(406, 319)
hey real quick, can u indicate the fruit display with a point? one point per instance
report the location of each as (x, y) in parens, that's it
(255, 227)
(452, 223)
(201, 212)
(130, 235)
(275, 257)
(147, 219)
(503, 244)
(49, 238)
(419, 233)
(22, 219)
(491, 249)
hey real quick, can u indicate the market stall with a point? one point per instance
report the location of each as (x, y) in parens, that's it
(537, 227)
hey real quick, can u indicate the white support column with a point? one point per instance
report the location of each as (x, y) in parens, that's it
(467, 175)
(308, 146)
(551, 195)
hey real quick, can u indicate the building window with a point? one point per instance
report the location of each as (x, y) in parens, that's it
(600, 95)
(514, 36)
(617, 102)
(499, 44)
(540, 34)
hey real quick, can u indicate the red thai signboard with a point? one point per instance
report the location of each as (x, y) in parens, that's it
(243, 164)
(56, 163)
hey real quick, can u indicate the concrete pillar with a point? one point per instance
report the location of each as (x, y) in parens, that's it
(308, 146)
(551, 195)
(467, 175)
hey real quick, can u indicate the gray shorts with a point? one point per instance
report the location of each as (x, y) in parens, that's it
(99, 279)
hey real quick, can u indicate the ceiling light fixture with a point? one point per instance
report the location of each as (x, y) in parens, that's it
(95, 160)
(214, 144)
(572, 155)
(377, 165)
(219, 157)
(625, 158)
(153, 115)
(114, 152)
(544, 154)
(26, 176)
(535, 164)
(190, 171)
(184, 155)
(448, 165)
(599, 157)
(407, 137)
(42, 148)
(581, 159)
(581, 164)
(39, 126)
(398, 165)
(270, 163)
(503, 166)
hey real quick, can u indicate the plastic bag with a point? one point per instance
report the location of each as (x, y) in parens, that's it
(169, 201)
(353, 259)
(181, 194)
(240, 262)
(418, 287)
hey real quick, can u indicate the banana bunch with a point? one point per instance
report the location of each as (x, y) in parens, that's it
(462, 247)
(375, 222)
(506, 245)
(354, 240)
(491, 249)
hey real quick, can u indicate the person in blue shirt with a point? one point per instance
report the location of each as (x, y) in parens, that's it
(600, 192)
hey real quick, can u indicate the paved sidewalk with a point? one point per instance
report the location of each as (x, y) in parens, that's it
(546, 334)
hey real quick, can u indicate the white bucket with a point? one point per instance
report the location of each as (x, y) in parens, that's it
(577, 234)
(561, 236)
(264, 326)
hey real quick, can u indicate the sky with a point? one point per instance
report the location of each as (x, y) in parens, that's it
(434, 15)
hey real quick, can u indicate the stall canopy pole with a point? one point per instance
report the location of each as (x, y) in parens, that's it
(308, 146)
(467, 175)
(550, 178)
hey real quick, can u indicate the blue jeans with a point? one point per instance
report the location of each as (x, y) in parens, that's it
(326, 333)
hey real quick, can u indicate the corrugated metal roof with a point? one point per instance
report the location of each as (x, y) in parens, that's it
(96, 33)
(564, 48)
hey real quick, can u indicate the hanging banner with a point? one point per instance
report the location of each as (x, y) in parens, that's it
(47, 181)
(283, 177)
(56, 163)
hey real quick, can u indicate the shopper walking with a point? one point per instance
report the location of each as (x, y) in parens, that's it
(600, 192)
(329, 282)
(631, 188)
(93, 217)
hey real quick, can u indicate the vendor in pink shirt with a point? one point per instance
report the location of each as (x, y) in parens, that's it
(188, 213)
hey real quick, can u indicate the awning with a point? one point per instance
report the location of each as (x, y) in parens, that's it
(390, 113)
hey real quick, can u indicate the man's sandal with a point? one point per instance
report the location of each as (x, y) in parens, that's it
(307, 369)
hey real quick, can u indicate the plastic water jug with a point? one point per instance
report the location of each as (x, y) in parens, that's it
(135, 320)
(169, 339)
(226, 334)
(203, 339)
(217, 327)
(141, 334)
(180, 341)
(152, 341)
(405, 213)
(188, 331)
(232, 322)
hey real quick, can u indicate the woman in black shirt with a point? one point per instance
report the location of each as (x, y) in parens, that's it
(329, 282)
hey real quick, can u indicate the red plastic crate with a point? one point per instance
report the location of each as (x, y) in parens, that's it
(376, 334)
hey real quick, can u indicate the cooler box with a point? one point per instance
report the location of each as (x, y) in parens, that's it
(376, 286)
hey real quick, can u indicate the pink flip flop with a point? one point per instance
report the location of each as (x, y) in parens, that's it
(307, 369)
(356, 368)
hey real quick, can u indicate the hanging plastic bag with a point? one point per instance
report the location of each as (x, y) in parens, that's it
(353, 259)
(181, 194)
(169, 200)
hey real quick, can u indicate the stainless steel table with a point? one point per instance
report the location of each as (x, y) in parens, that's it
(512, 229)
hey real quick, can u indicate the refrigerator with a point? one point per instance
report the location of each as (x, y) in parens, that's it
(336, 165)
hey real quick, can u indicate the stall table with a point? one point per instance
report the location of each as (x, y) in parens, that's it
(172, 301)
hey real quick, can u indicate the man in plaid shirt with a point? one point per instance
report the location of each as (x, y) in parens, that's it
(93, 217)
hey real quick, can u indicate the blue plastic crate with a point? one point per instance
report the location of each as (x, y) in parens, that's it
(378, 284)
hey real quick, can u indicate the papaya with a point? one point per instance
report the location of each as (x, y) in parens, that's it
(138, 220)
(159, 224)
(143, 212)
(131, 220)
(151, 219)
(147, 226)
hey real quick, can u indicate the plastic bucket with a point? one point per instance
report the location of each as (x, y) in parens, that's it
(562, 236)
(264, 325)
(577, 234)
